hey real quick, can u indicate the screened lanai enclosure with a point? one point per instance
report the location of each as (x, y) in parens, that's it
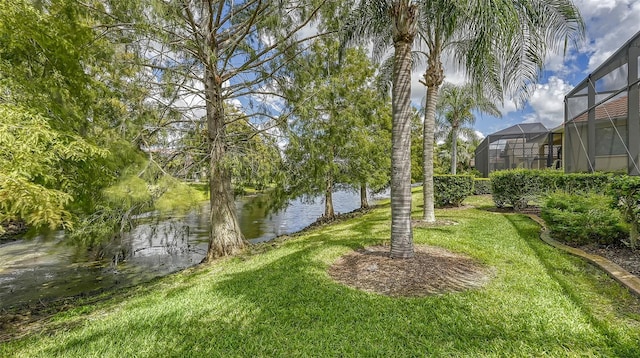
(602, 125)
(525, 145)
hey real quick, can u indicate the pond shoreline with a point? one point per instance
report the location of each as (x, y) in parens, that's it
(12, 231)
(22, 317)
(49, 306)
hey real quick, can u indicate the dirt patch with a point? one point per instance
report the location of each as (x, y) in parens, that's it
(432, 270)
(437, 223)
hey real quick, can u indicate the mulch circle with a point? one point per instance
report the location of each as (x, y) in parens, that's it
(431, 271)
(437, 223)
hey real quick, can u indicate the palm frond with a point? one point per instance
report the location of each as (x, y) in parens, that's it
(368, 22)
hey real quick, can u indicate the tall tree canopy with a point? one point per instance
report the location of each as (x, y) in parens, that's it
(338, 134)
(59, 142)
(203, 54)
(501, 45)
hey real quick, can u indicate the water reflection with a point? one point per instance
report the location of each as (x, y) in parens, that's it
(46, 268)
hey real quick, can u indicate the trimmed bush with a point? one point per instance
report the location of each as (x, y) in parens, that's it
(625, 191)
(481, 186)
(582, 182)
(582, 219)
(451, 189)
(520, 186)
(515, 187)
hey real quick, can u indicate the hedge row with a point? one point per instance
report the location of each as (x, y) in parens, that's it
(574, 208)
(451, 189)
(481, 186)
(518, 187)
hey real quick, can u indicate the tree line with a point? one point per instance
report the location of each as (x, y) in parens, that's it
(109, 106)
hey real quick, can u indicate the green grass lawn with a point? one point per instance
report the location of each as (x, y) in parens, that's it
(281, 302)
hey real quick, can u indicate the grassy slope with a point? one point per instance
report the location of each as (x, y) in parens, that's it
(282, 303)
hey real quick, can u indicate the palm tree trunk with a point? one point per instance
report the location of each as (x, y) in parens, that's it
(454, 150)
(429, 126)
(364, 203)
(225, 236)
(401, 231)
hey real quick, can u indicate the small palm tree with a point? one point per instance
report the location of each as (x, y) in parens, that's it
(465, 152)
(456, 117)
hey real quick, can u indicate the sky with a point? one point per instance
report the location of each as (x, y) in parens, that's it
(609, 25)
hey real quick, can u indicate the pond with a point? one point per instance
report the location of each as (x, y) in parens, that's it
(47, 268)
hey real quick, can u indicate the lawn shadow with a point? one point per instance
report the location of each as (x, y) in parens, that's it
(570, 272)
(285, 304)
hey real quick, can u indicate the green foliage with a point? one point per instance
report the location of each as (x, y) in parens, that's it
(178, 196)
(341, 131)
(518, 187)
(481, 186)
(48, 54)
(455, 116)
(34, 185)
(625, 191)
(135, 193)
(452, 189)
(254, 157)
(67, 110)
(515, 187)
(35, 204)
(583, 218)
(128, 192)
(577, 182)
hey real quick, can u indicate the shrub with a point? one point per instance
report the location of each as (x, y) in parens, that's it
(515, 187)
(518, 187)
(582, 219)
(576, 183)
(481, 186)
(625, 191)
(451, 189)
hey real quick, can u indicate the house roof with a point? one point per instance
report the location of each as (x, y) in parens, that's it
(519, 129)
(616, 108)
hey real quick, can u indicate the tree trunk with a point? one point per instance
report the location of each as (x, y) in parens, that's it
(429, 128)
(329, 213)
(364, 203)
(401, 231)
(433, 78)
(225, 236)
(454, 149)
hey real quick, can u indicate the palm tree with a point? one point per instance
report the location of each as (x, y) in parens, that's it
(386, 23)
(456, 106)
(466, 150)
(501, 46)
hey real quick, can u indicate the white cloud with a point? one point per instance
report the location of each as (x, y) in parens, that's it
(547, 102)
(610, 23)
(271, 101)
